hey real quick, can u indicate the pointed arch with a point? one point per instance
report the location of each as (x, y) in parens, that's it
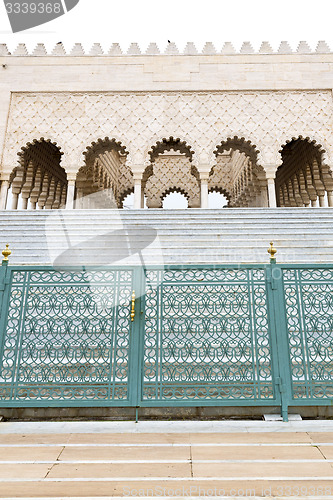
(237, 172)
(171, 169)
(305, 159)
(106, 172)
(39, 177)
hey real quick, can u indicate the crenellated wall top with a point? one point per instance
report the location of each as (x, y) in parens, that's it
(170, 50)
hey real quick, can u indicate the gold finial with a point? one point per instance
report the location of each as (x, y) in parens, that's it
(6, 253)
(272, 251)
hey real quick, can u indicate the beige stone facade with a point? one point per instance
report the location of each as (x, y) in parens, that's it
(256, 127)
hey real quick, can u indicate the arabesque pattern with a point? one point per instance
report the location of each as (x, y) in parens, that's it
(207, 336)
(309, 307)
(67, 337)
(200, 335)
(140, 119)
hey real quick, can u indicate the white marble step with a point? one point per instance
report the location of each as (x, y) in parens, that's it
(169, 236)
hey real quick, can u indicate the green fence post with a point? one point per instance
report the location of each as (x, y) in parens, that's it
(135, 350)
(3, 274)
(3, 282)
(283, 381)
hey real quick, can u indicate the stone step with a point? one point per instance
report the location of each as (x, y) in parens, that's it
(247, 213)
(184, 236)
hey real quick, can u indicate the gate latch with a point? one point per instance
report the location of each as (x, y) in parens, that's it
(133, 306)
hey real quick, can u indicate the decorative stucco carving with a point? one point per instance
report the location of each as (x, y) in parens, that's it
(139, 120)
(172, 173)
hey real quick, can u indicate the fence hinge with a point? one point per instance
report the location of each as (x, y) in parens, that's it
(273, 283)
(271, 280)
(5, 282)
(281, 386)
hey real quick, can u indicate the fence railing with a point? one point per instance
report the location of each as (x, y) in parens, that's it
(232, 335)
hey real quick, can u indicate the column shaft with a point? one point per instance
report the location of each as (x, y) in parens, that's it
(142, 198)
(271, 193)
(321, 200)
(15, 198)
(4, 194)
(137, 193)
(204, 193)
(70, 195)
(24, 203)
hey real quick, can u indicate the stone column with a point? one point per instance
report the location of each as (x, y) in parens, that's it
(15, 197)
(4, 194)
(24, 203)
(330, 198)
(137, 192)
(270, 171)
(321, 199)
(204, 169)
(204, 190)
(271, 192)
(70, 194)
(142, 197)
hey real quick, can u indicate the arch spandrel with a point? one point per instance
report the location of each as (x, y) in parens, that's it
(157, 141)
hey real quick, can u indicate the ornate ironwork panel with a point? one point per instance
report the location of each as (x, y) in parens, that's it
(207, 337)
(309, 309)
(67, 337)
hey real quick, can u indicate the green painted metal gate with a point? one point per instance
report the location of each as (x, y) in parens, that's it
(194, 336)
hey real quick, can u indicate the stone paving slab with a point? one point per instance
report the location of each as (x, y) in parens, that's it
(256, 452)
(169, 427)
(286, 470)
(159, 438)
(126, 453)
(97, 460)
(319, 490)
(30, 453)
(120, 470)
(26, 471)
(321, 437)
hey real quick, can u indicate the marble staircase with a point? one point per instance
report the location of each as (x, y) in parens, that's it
(301, 235)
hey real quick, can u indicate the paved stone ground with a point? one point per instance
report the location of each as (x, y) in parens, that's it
(100, 460)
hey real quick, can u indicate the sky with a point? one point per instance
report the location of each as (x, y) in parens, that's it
(145, 21)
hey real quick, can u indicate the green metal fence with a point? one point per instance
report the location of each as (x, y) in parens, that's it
(230, 335)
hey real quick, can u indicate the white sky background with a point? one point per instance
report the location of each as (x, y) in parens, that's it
(217, 21)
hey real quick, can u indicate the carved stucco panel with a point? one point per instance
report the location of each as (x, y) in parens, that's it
(138, 120)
